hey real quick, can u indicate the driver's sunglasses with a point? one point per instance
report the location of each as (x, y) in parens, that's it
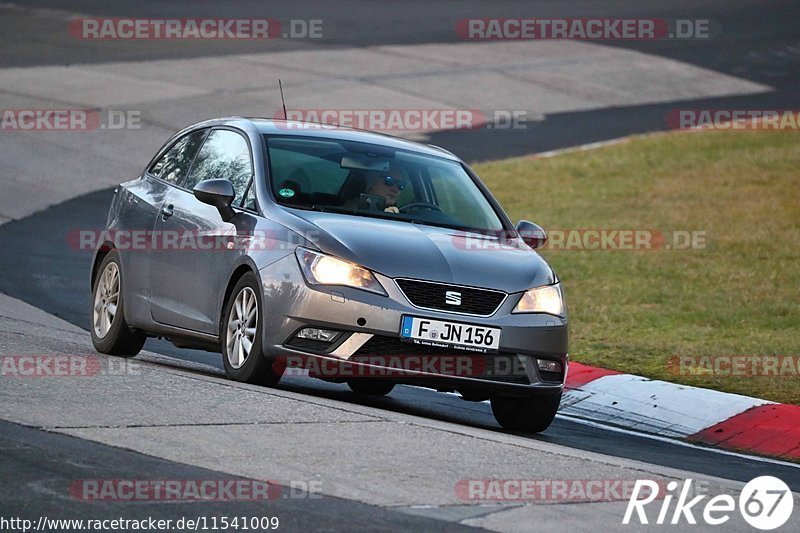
(392, 182)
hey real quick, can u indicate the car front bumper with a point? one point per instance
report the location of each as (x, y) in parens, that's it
(370, 340)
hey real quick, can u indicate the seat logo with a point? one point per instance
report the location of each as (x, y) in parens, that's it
(452, 298)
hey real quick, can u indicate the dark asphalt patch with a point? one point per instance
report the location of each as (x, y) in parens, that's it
(38, 468)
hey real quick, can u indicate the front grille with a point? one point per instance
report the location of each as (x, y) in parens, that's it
(430, 295)
(502, 367)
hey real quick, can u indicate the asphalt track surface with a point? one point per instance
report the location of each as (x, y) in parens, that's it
(759, 42)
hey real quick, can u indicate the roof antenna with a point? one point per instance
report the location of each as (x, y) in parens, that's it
(280, 85)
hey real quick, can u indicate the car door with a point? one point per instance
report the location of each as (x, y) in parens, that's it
(138, 205)
(191, 264)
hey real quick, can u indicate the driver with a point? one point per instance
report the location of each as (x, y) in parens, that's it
(387, 185)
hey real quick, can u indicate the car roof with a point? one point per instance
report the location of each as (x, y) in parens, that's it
(275, 126)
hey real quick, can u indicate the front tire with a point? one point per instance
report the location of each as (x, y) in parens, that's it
(110, 332)
(530, 415)
(241, 333)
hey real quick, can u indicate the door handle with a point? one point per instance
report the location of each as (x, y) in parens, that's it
(167, 211)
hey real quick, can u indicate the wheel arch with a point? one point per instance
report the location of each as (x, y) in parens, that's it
(99, 256)
(235, 276)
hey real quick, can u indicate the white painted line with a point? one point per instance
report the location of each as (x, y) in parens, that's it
(585, 147)
(677, 442)
(671, 440)
(609, 142)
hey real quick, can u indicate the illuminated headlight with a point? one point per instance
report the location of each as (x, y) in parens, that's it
(548, 299)
(321, 269)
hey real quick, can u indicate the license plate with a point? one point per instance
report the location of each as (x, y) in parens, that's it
(443, 334)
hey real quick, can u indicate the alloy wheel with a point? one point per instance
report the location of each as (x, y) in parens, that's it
(242, 323)
(106, 299)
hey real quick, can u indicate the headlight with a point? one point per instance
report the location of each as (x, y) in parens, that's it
(321, 269)
(548, 299)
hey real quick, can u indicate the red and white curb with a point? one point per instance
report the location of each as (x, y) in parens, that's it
(678, 412)
(718, 419)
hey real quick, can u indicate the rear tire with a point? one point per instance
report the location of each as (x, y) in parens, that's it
(531, 415)
(110, 332)
(373, 388)
(240, 336)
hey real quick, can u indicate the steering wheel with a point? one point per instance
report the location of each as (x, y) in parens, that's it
(419, 205)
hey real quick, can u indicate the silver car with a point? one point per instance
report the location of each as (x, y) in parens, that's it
(345, 255)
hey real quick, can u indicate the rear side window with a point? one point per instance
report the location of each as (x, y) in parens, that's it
(225, 155)
(174, 165)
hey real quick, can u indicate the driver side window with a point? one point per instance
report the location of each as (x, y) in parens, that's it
(225, 155)
(174, 165)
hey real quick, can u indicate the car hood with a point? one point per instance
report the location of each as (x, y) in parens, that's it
(401, 249)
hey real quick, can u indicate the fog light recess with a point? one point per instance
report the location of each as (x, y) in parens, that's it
(546, 365)
(318, 334)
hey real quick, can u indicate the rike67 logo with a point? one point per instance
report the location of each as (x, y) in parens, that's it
(765, 503)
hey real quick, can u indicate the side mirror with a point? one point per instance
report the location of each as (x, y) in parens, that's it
(218, 193)
(532, 234)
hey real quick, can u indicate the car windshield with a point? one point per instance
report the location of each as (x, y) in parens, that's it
(377, 181)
